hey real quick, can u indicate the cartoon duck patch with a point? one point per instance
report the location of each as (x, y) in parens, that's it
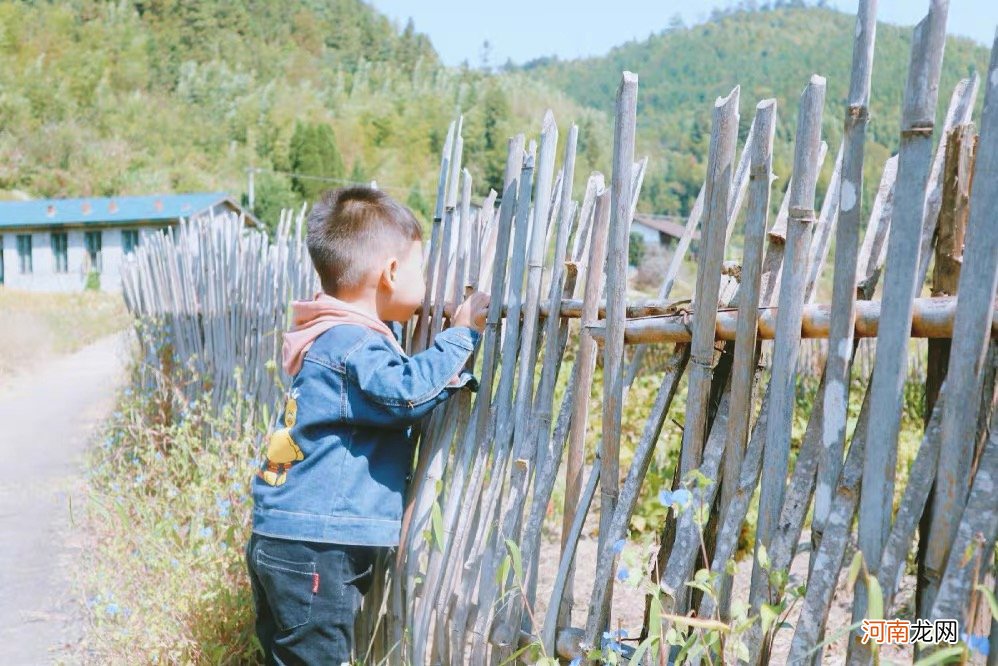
(282, 451)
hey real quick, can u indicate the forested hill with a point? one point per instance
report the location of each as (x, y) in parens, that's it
(771, 53)
(103, 97)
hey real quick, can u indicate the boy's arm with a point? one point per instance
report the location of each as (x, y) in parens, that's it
(402, 389)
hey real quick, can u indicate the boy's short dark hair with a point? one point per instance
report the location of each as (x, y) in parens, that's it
(350, 227)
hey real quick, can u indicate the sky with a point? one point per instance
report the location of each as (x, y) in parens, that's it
(521, 30)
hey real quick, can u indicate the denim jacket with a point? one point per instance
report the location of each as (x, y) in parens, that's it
(337, 471)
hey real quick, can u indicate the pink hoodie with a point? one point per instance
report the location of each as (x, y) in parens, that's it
(310, 319)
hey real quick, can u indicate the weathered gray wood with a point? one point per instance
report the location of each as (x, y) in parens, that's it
(824, 227)
(970, 339)
(744, 364)
(961, 106)
(423, 325)
(621, 189)
(720, 164)
(586, 362)
(841, 347)
(776, 451)
(547, 449)
(572, 535)
(502, 440)
(900, 288)
(740, 187)
(524, 450)
(827, 562)
(975, 536)
(476, 434)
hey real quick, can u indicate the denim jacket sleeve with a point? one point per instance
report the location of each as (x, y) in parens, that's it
(402, 389)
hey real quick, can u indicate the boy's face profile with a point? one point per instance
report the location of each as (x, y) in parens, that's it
(401, 287)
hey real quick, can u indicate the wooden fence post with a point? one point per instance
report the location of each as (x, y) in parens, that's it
(900, 288)
(970, 338)
(616, 278)
(782, 392)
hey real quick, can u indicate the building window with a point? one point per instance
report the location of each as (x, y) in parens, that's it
(129, 240)
(92, 241)
(24, 252)
(60, 244)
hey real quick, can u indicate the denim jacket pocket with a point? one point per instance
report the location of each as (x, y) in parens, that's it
(290, 589)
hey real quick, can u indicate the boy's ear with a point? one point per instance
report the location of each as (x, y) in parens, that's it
(390, 273)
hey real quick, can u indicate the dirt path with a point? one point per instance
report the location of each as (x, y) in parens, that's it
(47, 416)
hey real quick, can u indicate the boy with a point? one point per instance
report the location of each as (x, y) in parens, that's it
(329, 494)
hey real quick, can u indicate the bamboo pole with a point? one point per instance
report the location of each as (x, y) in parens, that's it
(950, 230)
(492, 551)
(423, 325)
(595, 205)
(970, 338)
(724, 132)
(476, 434)
(840, 338)
(974, 542)
(548, 450)
(792, 289)
(613, 350)
(744, 364)
(900, 288)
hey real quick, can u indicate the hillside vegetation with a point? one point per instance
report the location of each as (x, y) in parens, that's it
(770, 52)
(102, 98)
(133, 97)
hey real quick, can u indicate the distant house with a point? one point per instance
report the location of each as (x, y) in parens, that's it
(52, 244)
(659, 229)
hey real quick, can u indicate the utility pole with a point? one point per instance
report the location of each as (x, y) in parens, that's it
(250, 194)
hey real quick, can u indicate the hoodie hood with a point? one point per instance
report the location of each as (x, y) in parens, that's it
(310, 319)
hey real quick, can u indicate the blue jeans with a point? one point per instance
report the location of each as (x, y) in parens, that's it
(307, 596)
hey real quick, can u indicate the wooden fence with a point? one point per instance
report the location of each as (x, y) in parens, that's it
(463, 585)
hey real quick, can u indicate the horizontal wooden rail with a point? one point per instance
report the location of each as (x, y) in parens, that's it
(932, 318)
(668, 321)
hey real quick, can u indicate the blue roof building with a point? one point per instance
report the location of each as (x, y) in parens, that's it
(53, 244)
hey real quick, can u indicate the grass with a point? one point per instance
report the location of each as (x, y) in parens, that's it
(170, 508)
(37, 324)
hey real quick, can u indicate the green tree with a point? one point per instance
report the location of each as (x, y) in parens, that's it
(274, 193)
(635, 249)
(314, 156)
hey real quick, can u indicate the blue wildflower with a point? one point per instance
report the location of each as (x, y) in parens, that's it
(622, 573)
(111, 609)
(608, 643)
(619, 545)
(223, 507)
(977, 644)
(207, 532)
(678, 498)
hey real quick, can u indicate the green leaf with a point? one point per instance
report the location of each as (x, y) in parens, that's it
(438, 525)
(942, 656)
(992, 601)
(875, 601)
(502, 572)
(511, 659)
(639, 653)
(763, 557)
(768, 614)
(514, 550)
(854, 567)
(655, 617)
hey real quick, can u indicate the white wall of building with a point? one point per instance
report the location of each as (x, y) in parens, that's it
(44, 277)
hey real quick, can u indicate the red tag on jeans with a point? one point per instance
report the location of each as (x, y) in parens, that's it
(315, 583)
